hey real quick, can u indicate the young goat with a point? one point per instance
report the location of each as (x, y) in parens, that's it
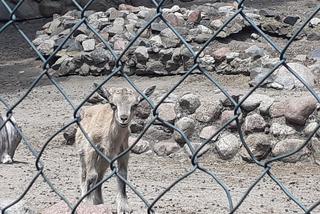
(9, 140)
(107, 125)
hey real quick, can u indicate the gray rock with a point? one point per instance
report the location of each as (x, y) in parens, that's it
(196, 146)
(252, 102)
(313, 36)
(46, 47)
(67, 68)
(254, 123)
(208, 132)
(209, 112)
(113, 13)
(100, 56)
(155, 67)
(156, 40)
(267, 13)
(204, 30)
(260, 101)
(225, 101)
(132, 16)
(226, 9)
(291, 20)
(299, 109)
(158, 133)
(314, 22)
(255, 36)
(226, 116)
(289, 145)
(265, 105)
(116, 29)
(158, 26)
(165, 148)
(281, 130)
(255, 52)
(167, 112)
(54, 27)
(89, 45)
(143, 110)
(81, 37)
(310, 128)
(278, 109)
(173, 9)
(141, 147)
(194, 16)
(120, 44)
(221, 54)
(142, 54)
(146, 13)
(40, 39)
(259, 145)
(84, 70)
(189, 103)
(231, 56)
(288, 81)
(216, 24)
(119, 21)
(187, 126)
(168, 38)
(173, 19)
(257, 74)
(202, 38)
(136, 126)
(228, 146)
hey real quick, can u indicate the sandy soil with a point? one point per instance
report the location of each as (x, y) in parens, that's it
(44, 111)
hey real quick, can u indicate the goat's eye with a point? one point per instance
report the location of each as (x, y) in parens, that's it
(113, 106)
(134, 106)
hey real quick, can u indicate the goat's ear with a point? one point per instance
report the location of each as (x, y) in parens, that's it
(103, 92)
(148, 91)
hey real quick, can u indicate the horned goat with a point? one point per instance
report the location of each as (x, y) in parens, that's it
(107, 126)
(9, 140)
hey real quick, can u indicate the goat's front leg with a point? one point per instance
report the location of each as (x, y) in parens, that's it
(122, 199)
(90, 177)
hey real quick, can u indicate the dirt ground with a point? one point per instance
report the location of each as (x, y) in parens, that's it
(44, 111)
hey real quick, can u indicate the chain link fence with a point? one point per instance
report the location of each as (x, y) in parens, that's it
(266, 166)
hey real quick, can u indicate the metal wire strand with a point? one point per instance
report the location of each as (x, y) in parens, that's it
(118, 69)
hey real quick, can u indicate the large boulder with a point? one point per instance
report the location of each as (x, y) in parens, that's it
(288, 81)
(228, 146)
(259, 145)
(299, 109)
(289, 145)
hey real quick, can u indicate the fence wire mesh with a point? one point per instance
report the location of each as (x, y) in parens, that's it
(119, 70)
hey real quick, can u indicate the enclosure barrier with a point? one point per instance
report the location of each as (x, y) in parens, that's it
(118, 70)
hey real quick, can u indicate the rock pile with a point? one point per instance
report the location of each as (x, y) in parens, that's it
(158, 51)
(271, 126)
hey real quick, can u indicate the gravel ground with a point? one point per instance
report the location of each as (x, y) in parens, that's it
(44, 111)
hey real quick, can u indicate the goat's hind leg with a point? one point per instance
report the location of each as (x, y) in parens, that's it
(122, 199)
(83, 173)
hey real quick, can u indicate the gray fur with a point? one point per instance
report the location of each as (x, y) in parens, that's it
(9, 140)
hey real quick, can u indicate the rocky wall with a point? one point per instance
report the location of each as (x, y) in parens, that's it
(271, 126)
(158, 51)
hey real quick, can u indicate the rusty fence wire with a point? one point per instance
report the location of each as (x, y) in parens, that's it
(119, 70)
